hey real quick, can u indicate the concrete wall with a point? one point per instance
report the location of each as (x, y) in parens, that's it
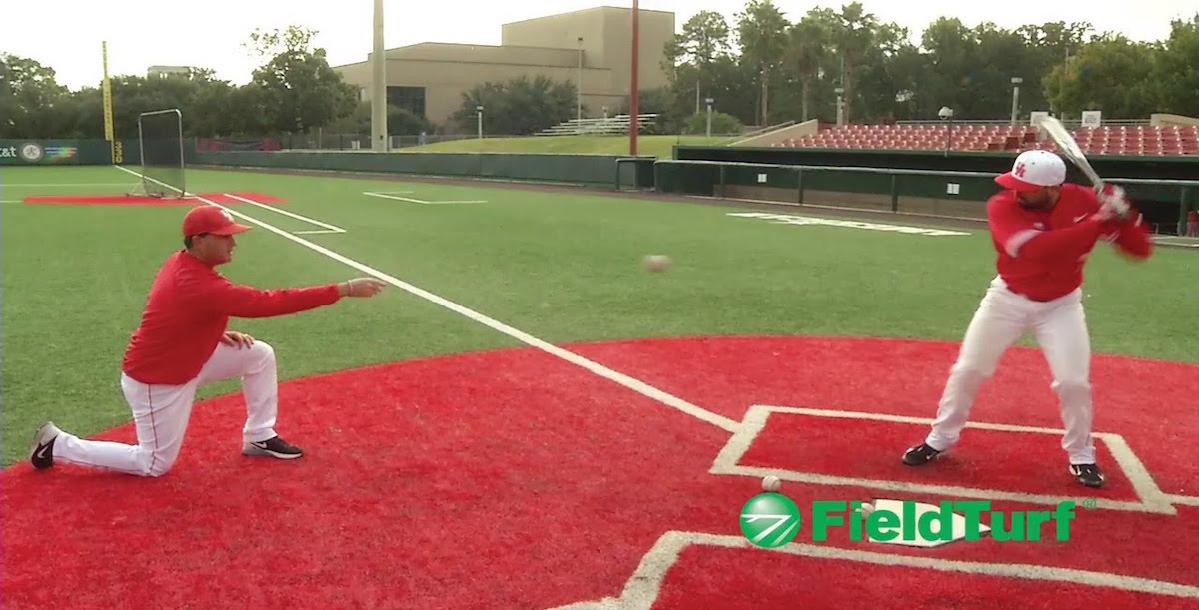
(546, 46)
(776, 136)
(445, 80)
(607, 34)
(1172, 119)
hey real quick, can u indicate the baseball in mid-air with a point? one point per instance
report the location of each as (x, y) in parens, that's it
(771, 483)
(657, 262)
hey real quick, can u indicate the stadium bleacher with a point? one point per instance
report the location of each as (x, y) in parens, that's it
(1105, 140)
(606, 126)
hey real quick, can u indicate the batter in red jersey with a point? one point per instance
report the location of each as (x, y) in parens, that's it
(183, 342)
(1043, 231)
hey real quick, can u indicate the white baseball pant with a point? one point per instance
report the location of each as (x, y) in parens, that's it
(161, 413)
(1001, 319)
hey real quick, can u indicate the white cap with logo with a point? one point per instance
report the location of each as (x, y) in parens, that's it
(1034, 170)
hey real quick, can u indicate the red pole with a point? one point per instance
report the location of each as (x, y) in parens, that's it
(633, 88)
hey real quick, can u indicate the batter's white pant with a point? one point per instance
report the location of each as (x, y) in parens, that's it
(161, 413)
(1002, 318)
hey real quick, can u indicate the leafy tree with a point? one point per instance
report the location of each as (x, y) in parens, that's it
(854, 34)
(877, 73)
(705, 40)
(807, 49)
(28, 97)
(400, 122)
(299, 90)
(762, 33)
(1175, 73)
(1048, 45)
(722, 124)
(519, 106)
(1109, 74)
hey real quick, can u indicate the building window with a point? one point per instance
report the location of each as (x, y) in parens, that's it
(411, 99)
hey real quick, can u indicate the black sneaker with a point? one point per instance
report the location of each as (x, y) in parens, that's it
(274, 447)
(919, 455)
(1087, 474)
(41, 452)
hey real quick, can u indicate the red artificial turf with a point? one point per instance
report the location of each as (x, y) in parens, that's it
(513, 479)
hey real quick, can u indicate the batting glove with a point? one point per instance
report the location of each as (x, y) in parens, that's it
(1116, 203)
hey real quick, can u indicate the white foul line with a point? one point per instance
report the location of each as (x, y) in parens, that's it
(410, 200)
(328, 227)
(629, 382)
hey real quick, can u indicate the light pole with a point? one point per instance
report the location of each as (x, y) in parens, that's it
(840, 108)
(709, 102)
(378, 60)
(946, 114)
(579, 96)
(1016, 80)
(479, 109)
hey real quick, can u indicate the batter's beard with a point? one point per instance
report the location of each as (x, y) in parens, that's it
(1044, 205)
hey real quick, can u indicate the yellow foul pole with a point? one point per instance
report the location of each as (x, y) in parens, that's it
(106, 89)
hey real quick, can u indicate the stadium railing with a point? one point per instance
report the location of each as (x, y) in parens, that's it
(933, 193)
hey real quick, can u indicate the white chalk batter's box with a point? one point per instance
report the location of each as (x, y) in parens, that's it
(850, 448)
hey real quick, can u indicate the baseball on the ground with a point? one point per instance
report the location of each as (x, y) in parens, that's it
(771, 483)
(657, 262)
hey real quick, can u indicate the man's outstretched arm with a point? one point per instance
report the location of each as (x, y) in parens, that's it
(249, 302)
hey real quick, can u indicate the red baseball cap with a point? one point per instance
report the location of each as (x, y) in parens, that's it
(210, 219)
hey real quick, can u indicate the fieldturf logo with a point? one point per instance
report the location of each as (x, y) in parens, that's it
(772, 520)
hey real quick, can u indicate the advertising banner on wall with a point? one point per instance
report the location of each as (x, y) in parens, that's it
(39, 152)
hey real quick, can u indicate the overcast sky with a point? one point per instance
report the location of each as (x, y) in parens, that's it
(66, 34)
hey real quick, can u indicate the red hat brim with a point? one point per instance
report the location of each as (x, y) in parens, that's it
(1010, 182)
(232, 229)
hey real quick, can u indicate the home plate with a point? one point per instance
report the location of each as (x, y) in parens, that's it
(905, 522)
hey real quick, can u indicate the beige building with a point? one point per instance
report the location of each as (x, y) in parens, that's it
(429, 78)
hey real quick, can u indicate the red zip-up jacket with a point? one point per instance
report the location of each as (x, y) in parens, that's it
(1041, 253)
(188, 311)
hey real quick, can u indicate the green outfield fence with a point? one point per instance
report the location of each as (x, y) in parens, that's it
(587, 170)
(937, 193)
(35, 152)
(930, 191)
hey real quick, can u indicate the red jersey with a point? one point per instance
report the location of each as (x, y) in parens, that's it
(188, 310)
(1042, 252)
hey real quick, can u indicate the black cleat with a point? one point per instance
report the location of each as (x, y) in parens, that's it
(1087, 474)
(919, 455)
(274, 447)
(41, 452)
